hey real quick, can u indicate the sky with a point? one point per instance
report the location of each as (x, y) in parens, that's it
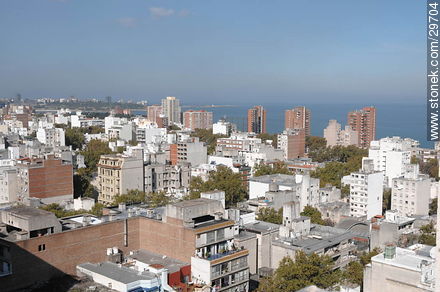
(215, 52)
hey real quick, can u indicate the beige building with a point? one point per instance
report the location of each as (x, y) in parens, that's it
(171, 109)
(197, 119)
(334, 135)
(403, 270)
(117, 174)
(410, 194)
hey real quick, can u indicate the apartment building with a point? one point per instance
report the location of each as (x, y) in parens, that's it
(8, 184)
(172, 110)
(165, 177)
(256, 120)
(197, 119)
(52, 137)
(118, 174)
(366, 191)
(402, 269)
(293, 143)
(154, 112)
(48, 179)
(335, 136)
(298, 118)
(364, 122)
(392, 155)
(193, 231)
(410, 194)
(189, 151)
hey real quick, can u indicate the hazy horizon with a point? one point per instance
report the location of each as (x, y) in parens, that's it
(206, 51)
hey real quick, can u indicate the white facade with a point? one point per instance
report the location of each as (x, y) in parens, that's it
(171, 109)
(52, 137)
(222, 128)
(410, 194)
(335, 136)
(8, 185)
(366, 194)
(392, 155)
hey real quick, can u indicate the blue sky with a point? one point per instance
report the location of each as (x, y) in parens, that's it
(211, 51)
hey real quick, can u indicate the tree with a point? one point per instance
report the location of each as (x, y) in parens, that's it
(277, 167)
(306, 270)
(433, 206)
(80, 184)
(92, 153)
(74, 137)
(333, 171)
(131, 197)
(386, 202)
(59, 211)
(353, 273)
(158, 199)
(314, 214)
(315, 144)
(270, 215)
(223, 179)
(365, 257)
(210, 139)
(429, 167)
(428, 235)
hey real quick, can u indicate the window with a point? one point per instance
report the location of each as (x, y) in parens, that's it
(42, 247)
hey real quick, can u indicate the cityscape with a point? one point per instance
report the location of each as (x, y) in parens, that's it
(130, 164)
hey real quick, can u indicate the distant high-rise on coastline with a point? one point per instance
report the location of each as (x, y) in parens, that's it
(298, 118)
(257, 119)
(171, 109)
(364, 122)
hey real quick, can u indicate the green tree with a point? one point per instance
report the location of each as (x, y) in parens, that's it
(74, 137)
(365, 258)
(206, 135)
(277, 167)
(314, 214)
(97, 209)
(131, 197)
(81, 183)
(353, 273)
(224, 179)
(333, 171)
(270, 215)
(59, 211)
(315, 144)
(433, 206)
(430, 168)
(304, 271)
(158, 199)
(92, 153)
(428, 235)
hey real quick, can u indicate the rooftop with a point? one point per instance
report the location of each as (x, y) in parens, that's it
(261, 226)
(119, 273)
(407, 258)
(28, 212)
(158, 260)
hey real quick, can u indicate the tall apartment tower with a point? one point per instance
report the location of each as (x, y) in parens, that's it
(257, 119)
(153, 112)
(197, 119)
(298, 118)
(364, 122)
(171, 109)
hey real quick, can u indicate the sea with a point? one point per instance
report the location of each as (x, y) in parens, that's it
(404, 120)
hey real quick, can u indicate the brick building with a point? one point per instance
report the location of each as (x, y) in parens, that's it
(50, 179)
(364, 122)
(256, 119)
(197, 119)
(298, 118)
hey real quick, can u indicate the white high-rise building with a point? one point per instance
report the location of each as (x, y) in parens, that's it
(392, 155)
(366, 191)
(171, 109)
(410, 194)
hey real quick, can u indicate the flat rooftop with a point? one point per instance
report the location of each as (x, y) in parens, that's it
(192, 203)
(405, 258)
(28, 212)
(158, 261)
(320, 237)
(260, 226)
(280, 179)
(119, 273)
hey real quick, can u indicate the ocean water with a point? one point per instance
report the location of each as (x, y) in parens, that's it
(404, 120)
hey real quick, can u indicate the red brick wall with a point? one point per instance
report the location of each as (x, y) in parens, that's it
(54, 179)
